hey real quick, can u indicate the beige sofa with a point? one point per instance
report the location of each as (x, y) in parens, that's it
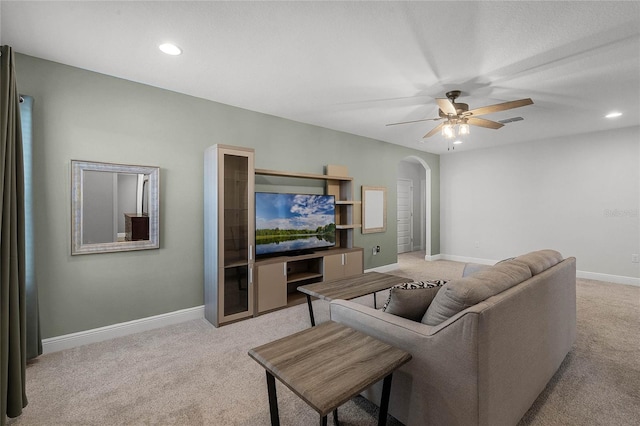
(486, 364)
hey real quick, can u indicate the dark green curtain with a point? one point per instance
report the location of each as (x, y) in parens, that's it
(13, 357)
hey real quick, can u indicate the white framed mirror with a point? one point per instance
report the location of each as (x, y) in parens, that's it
(114, 207)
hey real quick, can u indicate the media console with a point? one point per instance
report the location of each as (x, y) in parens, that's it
(277, 278)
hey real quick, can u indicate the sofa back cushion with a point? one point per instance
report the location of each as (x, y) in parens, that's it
(472, 268)
(458, 295)
(540, 260)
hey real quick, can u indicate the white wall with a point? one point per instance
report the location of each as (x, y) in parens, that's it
(579, 195)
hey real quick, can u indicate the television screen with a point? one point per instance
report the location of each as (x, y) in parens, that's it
(294, 222)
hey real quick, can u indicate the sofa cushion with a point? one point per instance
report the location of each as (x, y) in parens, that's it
(411, 300)
(540, 260)
(472, 268)
(458, 295)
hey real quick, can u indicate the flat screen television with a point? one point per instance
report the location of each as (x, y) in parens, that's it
(294, 223)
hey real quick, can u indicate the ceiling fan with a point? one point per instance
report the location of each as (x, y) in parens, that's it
(459, 114)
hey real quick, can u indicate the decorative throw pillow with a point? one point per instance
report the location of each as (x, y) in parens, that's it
(411, 300)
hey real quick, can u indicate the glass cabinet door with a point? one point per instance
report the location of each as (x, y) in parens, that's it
(229, 233)
(236, 205)
(237, 199)
(236, 290)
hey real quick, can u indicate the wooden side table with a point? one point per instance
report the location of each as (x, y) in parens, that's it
(328, 365)
(350, 288)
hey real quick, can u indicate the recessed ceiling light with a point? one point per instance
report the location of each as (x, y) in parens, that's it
(170, 49)
(613, 114)
(458, 142)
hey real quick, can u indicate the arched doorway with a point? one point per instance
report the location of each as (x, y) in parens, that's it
(414, 205)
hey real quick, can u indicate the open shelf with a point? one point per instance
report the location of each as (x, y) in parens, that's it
(302, 276)
(301, 175)
(305, 270)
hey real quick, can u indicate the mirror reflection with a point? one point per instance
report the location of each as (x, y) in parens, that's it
(115, 207)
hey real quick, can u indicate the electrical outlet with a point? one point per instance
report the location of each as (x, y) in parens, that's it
(374, 251)
(378, 249)
(634, 258)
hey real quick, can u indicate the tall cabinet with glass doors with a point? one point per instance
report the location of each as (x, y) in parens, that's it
(229, 234)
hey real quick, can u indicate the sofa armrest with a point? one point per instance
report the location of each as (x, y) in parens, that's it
(375, 321)
(442, 372)
(411, 336)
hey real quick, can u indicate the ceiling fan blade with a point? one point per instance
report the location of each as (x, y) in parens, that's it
(484, 123)
(414, 121)
(433, 131)
(446, 106)
(498, 107)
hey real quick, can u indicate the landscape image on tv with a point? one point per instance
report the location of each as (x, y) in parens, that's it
(294, 222)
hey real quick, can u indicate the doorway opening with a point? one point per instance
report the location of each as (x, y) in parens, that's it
(414, 206)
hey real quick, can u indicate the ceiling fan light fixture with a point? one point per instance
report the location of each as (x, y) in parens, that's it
(458, 118)
(448, 131)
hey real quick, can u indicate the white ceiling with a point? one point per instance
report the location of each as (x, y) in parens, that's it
(355, 66)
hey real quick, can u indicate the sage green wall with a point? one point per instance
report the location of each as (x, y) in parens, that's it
(83, 115)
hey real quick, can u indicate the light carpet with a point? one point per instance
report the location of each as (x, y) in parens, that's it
(195, 374)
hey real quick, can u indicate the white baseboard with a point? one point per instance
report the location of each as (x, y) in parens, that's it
(465, 259)
(617, 279)
(430, 258)
(80, 338)
(384, 268)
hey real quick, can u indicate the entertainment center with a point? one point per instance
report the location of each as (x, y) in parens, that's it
(238, 285)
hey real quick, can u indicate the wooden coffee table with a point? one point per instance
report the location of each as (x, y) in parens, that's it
(350, 288)
(328, 365)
